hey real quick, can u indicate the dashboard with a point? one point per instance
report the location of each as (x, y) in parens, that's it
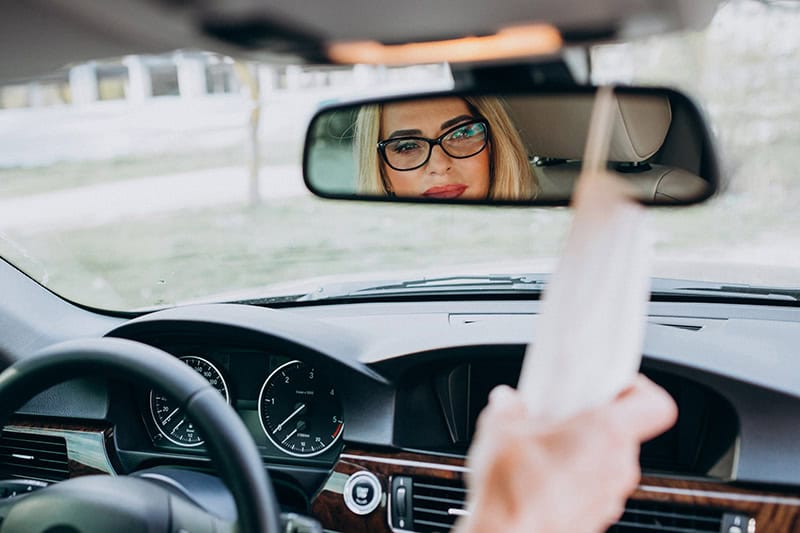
(294, 414)
(380, 400)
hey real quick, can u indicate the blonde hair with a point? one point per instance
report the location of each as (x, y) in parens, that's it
(511, 176)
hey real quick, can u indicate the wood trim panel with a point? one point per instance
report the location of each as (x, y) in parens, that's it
(774, 512)
(57, 425)
(87, 444)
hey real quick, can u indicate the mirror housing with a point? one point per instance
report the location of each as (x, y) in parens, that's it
(660, 144)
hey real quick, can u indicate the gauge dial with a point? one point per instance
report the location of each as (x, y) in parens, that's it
(171, 419)
(299, 410)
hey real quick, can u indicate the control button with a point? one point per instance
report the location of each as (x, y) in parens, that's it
(737, 523)
(401, 501)
(402, 510)
(362, 493)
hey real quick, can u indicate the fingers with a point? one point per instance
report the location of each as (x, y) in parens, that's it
(505, 400)
(504, 405)
(502, 396)
(646, 409)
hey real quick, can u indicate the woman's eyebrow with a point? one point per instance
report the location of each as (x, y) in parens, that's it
(400, 133)
(454, 121)
(446, 124)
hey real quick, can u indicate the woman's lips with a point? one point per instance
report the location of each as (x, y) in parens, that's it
(452, 190)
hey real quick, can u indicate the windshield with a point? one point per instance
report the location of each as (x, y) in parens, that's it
(151, 180)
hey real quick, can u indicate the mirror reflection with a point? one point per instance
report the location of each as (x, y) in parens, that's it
(525, 148)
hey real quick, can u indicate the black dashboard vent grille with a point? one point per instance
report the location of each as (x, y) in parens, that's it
(32, 456)
(434, 503)
(437, 504)
(654, 516)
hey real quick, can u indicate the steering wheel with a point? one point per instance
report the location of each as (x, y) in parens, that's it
(100, 504)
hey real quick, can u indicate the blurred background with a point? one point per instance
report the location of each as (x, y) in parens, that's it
(149, 180)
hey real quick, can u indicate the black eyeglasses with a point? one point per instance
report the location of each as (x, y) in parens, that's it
(460, 142)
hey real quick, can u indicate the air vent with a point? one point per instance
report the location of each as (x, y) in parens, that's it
(31, 456)
(654, 516)
(435, 504)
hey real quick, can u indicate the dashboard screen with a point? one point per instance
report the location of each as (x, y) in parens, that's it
(439, 407)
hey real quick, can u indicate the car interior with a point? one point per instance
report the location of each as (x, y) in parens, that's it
(355, 413)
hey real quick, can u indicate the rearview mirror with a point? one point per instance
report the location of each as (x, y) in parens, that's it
(506, 148)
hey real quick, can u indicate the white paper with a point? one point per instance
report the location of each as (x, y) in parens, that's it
(591, 330)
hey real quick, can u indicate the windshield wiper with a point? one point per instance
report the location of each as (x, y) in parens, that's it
(720, 290)
(530, 284)
(432, 285)
(535, 284)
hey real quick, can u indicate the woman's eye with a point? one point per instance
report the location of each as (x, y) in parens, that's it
(405, 147)
(468, 132)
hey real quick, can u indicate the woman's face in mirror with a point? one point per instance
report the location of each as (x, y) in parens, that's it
(442, 176)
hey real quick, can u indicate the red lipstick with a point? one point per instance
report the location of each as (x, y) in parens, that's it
(451, 190)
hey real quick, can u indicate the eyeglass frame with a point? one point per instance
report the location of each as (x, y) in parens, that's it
(434, 142)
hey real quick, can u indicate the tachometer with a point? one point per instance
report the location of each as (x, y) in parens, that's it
(299, 410)
(170, 419)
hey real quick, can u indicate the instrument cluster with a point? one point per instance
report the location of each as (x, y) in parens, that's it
(291, 407)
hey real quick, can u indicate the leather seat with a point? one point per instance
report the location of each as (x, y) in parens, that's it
(555, 128)
(655, 183)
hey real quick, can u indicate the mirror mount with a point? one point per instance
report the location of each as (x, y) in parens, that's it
(513, 77)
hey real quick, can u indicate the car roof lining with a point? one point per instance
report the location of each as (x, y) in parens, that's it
(80, 30)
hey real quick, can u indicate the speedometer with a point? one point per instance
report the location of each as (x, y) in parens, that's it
(170, 419)
(299, 410)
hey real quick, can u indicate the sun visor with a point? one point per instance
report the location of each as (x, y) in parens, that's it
(640, 125)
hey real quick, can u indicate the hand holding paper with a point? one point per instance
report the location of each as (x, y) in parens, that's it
(570, 477)
(588, 347)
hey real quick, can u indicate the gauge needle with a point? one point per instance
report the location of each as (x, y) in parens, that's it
(177, 426)
(169, 417)
(280, 426)
(289, 436)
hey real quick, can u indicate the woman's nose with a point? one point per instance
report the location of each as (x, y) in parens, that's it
(439, 160)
